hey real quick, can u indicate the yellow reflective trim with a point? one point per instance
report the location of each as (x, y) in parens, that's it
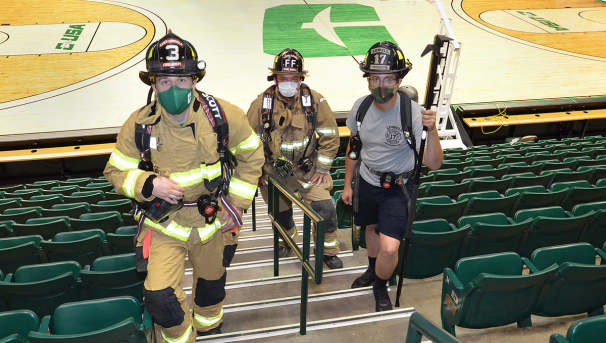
(324, 159)
(184, 338)
(252, 142)
(242, 189)
(208, 321)
(188, 178)
(213, 171)
(325, 131)
(130, 182)
(331, 244)
(209, 230)
(177, 231)
(123, 162)
(294, 145)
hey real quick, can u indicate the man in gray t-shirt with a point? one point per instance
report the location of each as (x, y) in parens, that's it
(387, 159)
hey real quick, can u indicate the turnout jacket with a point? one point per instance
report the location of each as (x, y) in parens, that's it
(187, 154)
(290, 136)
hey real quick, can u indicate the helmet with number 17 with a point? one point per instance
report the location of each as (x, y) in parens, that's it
(172, 56)
(385, 57)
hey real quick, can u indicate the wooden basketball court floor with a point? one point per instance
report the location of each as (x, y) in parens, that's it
(70, 68)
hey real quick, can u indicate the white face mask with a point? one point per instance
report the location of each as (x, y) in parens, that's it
(288, 88)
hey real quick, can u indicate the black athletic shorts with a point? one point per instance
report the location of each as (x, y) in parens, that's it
(386, 207)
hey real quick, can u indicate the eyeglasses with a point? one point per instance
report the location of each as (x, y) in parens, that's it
(387, 81)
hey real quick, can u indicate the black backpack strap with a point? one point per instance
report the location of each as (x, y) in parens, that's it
(406, 119)
(364, 106)
(307, 104)
(143, 139)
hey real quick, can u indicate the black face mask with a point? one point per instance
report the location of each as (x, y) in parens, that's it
(383, 94)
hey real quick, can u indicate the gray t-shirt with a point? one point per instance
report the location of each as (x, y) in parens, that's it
(384, 148)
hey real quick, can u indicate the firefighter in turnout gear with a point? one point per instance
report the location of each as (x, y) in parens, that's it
(300, 138)
(191, 162)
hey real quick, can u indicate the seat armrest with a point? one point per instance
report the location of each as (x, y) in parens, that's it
(600, 253)
(530, 265)
(44, 323)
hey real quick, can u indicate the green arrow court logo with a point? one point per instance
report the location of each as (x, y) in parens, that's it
(322, 30)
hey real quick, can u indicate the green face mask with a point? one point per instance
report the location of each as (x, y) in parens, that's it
(382, 94)
(175, 100)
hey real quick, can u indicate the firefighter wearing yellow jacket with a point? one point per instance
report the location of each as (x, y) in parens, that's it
(300, 138)
(191, 162)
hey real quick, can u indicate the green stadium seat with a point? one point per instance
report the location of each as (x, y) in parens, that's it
(572, 176)
(455, 163)
(436, 207)
(91, 197)
(19, 251)
(580, 195)
(582, 161)
(558, 166)
(73, 210)
(487, 184)
(6, 228)
(111, 320)
(21, 214)
(114, 196)
(492, 233)
(41, 287)
(420, 327)
(344, 214)
(46, 200)
(488, 201)
(450, 174)
(104, 186)
(425, 185)
(107, 221)
(12, 188)
(43, 184)
(426, 178)
(15, 325)
(586, 330)
(123, 205)
(23, 193)
(9, 203)
(528, 179)
(523, 167)
(337, 185)
(578, 287)
(434, 245)
(80, 246)
(122, 241)
(483, 170)
(514, 157)
(339, 161)
(475, 293)
(571, 152)
(65, 190)
(541, 198)
(450, 189)
(551, 226)
(520, 190)
(100, 179)
(128, 219)
(541, 154)
(46, 227)
(338, 174)
(111, 276)
(595, 233)
(80, 181)
(558, 186)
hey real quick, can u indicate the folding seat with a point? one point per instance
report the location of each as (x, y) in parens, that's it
(595, 233)
(434, 245)
(515, 157)
(115, 196)
(496, 172)
(107, 221)
(440, 207)
(572, 176)
(111, 276)
(21, 214)
(80, 181)
(586, 330)
(490, 290)
(455, 163)
(579, 195)
(126, 205)
(24, 193)
(488, 201)
(6, 228)
(578, 287)
(557, 166)
(90, 197)
(41, 287)
(570, 152)
(595, 150)
(14, 325)
(10, 203)
(80, 246)
(344, 214)
(581, 161)
(46, 227)
(528, 179)
(65, 190)
(446, 187)
(12, 188)
(551, 226)
(43, 184)
(493, 161)
(487, 167)
(601, 157)
(492, 233)
(110, 320)
(539, 196)
(487, 183)
(339, 161)
(19, 251)
(599, 171)
(72, 210)
(338, 174)
(522, 167)
(600, 182)
(97, 186)
(128, 219)
(450, 174)
(337, 185)
(539, 156)
(122, 241)
(46, 200)
(450, 155)
(101, 179)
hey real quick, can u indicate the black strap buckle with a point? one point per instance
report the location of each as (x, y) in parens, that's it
(208, 207)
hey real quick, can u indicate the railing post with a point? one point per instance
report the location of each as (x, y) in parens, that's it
(273, 208)
(304, 275)
(319, 251)
(254, 212)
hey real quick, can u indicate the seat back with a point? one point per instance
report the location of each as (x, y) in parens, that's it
(579, 195)
(541, 199)
(114, 276)
(81, 246)
(506, 205)
(449, 211)
(19, 251)
(551, 211)
(587, 330)
(488, 238)
(120, 205)
(575, 252)
(44, 228)
(500, 264)
(106, 221)
(72, 210)
(18, 322)
(554, 231)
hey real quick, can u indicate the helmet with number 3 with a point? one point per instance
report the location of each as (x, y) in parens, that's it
(385, 57)
(172, 56)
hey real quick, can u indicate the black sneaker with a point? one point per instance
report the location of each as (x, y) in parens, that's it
(333, 262)
(366, 279)
(383, 303)
(213, 331)
(283, 251)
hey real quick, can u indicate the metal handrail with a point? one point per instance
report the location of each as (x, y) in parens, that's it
(419, 327)
(274, 190)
